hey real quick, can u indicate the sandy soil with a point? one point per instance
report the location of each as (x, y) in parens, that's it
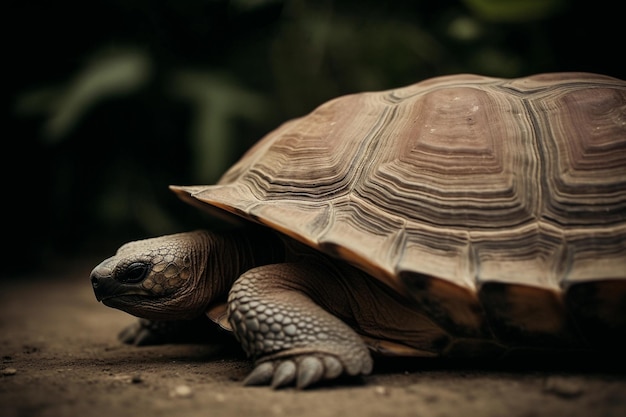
(60, 357)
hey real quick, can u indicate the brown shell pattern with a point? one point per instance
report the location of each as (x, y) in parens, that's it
(465, 189)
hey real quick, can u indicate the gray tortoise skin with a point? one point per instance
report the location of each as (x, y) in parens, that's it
(462, 216)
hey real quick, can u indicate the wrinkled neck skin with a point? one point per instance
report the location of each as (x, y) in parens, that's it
(229, 254)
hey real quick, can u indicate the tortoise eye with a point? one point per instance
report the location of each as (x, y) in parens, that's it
(134, 273)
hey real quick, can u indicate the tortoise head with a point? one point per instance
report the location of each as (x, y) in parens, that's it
(158, 278)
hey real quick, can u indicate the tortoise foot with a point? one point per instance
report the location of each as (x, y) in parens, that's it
(148, 332)
(301, 371)
(295, 340)
(137, 334)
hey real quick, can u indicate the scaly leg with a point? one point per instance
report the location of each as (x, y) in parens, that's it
(293, 339)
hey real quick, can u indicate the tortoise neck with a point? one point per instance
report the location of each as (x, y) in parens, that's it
(232, 253)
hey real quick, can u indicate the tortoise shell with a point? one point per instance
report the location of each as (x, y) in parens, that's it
(493, 202)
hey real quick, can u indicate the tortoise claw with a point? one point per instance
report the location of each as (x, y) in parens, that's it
(261, 375)
(129, 333)
(285, 374)
(302, 372)
(332, 367)
(310, 371)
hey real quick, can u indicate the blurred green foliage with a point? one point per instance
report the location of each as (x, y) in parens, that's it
(109, 102)
(515, 10)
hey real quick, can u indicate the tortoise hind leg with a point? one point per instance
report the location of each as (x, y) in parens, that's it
(599, 310)
(293, 339)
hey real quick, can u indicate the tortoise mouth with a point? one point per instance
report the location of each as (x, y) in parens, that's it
(111, 292)
(123, 299)
(138, 305)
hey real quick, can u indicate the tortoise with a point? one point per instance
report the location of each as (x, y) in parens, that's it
(461, 216)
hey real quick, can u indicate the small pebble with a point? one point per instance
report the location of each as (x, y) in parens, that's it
(381, 390)
(9, 371)
(181, 391)
(136, 379)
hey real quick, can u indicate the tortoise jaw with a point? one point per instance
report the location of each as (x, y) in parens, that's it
(122, 302)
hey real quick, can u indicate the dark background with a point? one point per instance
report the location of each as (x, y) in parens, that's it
(111, 101)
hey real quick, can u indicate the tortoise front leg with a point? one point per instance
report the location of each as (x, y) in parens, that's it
(146, 332)
(292, 338)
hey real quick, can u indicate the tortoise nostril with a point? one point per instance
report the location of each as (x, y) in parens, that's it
(94, 281)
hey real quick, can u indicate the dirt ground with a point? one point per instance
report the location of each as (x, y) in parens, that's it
(60, 357)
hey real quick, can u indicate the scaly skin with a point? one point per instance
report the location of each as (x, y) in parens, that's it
(294, 339)
(271, 304)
